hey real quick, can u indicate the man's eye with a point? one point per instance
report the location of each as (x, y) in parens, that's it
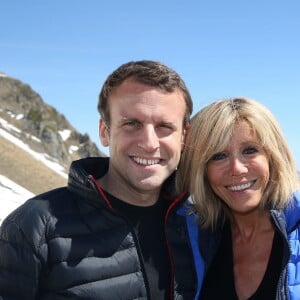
(166, 126)
(250, 150)
(218, 156)
(131, 123)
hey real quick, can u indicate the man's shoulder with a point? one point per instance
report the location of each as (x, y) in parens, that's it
(37, 217)
(38, 209)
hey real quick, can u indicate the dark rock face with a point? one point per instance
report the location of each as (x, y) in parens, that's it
(40, 125)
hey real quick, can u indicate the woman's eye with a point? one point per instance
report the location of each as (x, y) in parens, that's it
(250, 150)
(218, 156)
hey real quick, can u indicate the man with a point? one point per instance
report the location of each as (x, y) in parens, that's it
(114, 231)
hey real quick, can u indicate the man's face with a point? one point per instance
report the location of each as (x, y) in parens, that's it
(145, 138)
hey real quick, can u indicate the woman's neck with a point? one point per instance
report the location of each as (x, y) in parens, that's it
(246, 228)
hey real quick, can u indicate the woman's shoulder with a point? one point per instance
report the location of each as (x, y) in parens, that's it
(292, 212)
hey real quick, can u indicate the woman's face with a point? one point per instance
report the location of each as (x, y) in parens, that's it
(239, 174)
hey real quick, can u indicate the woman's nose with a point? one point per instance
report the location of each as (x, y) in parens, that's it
(238, 166)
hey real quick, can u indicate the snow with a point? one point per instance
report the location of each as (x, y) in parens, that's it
(65, 134)
(73, 148)
(43, 157)
(11, 128)
(8, 126)
(19, 117)
(12, 196)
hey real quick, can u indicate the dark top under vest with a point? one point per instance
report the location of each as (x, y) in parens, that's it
(219, 281)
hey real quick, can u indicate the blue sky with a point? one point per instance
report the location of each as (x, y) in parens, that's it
(65, 49)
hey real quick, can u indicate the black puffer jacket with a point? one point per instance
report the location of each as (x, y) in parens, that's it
(69, 244)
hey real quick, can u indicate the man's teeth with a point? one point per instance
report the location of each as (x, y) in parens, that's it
(146, 162)
(240, 187)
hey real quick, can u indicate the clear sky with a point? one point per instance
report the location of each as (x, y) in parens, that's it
(64, 49)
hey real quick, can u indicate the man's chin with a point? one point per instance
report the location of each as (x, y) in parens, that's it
(151, 183)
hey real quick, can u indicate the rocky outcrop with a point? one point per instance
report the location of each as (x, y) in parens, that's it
(40, 125)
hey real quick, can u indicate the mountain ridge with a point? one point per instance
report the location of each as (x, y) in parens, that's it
(25, 119)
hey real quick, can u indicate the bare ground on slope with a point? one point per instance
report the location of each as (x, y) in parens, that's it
(22, 168)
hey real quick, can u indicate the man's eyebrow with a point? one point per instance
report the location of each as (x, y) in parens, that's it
(128, 118)
(173, 123)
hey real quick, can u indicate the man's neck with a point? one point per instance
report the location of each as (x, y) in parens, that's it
(127, 193)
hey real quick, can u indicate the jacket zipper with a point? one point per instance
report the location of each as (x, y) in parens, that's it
(170, 208)
(283, 279)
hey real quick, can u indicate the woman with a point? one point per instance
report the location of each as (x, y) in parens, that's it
(243, 181)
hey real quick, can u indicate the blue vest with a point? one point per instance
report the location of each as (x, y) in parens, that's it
(205, 243)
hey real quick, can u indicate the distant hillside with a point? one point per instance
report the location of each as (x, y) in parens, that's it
(26, 117)
(21, 167)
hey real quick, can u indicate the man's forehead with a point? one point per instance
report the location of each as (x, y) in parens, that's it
(157, 118)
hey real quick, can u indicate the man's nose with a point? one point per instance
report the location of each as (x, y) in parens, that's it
(149, 139)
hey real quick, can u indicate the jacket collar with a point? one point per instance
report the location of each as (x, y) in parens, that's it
(82, 170)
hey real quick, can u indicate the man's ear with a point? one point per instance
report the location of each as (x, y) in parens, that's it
(103, 133)
(184, 134)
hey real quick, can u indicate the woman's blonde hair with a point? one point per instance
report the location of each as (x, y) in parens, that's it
(210, 131)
